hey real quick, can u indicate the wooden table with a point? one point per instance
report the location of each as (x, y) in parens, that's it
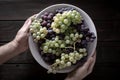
(106, 17)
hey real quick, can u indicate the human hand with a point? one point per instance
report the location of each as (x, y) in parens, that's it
(21, 39)
(83, 71)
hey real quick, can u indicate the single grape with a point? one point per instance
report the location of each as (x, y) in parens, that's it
(68, 64)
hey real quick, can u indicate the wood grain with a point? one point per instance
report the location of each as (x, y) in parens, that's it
(21, 10)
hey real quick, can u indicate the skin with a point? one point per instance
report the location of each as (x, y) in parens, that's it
(81, 72)
(16, 46)
(20, 44)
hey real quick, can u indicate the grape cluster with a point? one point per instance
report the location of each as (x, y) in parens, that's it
(53, 46)
(62, 37)
(64, 20)
(66, 60)
(38, 32)
(47, 19)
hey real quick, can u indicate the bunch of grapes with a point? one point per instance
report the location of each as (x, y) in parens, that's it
(38, 32)
(63, 21)
(62, 37)
(47, 18)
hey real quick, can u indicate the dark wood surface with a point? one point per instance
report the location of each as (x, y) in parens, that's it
(106, 16)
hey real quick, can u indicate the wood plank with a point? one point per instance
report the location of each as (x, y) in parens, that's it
(105, 72)
(107, 31)
(36, 72)
(98, 10)
(26, 72)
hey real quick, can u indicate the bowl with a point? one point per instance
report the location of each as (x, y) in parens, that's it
(88, 22)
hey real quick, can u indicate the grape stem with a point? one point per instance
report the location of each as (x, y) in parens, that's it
(74, 45)
(69, 47)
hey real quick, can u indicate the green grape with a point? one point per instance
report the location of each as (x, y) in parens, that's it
(62, 45)
(72, 15)
(59, 41)
(76, 35)
(42, 35)
(31, 30)
(67, 41)
(52, 45)
(62, 54)
(62, 62)
(45, 48)
(50, 50)
(81, 50)
(74, 38)
(85, 54)
(53, 51)
(71, 58)
(57, 53)
(74, 11)
(38, 37)
(62, 26)
(76, 54)
(35, 40)
(65, 21)
(41, 30)
(60, 23)
(84, 50)
(34, 35)
(74, 61)
(56, 20)
(71, 54)
(57, 60)
(71, 35)
(62, 58)
(53, 25)
(56, 38)
(62, 30)
(64, 15)
(68, 64)
(37, 25)
(56, 45)
(81, 35)
(66, 56)
(38, 33)
(67, 38)
(61, 18)
(58, 15)
(57, 30)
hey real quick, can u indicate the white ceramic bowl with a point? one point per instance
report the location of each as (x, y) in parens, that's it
(88, 22)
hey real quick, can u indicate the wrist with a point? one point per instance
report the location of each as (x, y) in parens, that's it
(15, 46)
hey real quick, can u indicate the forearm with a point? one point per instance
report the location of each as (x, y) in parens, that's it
(8, 51)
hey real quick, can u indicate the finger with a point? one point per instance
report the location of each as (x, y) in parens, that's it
(27, 23)
(92, 65)
(88, 62)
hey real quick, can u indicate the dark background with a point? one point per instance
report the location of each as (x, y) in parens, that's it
(106, 16)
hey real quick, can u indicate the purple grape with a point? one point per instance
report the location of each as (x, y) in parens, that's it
(87, 39)
(44, 23)
(49, 21)
(48, 24)
(84, 43)
(51, 14)
(49, 17)
(45, 17)
(50, 31)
